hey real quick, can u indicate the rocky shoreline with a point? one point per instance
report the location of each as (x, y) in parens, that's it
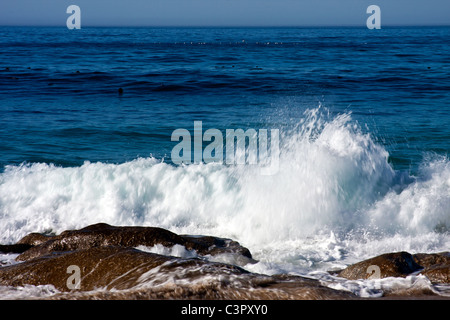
(110, 262)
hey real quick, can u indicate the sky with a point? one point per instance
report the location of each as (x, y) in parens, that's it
(225, 12)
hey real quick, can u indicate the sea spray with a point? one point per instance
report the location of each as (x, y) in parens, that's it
(423, 206)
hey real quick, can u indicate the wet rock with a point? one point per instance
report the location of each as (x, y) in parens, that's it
(108, 272)
(427, 260)
(34, 239)
(102, 234)
(438, 273)
(100, 267)
(109, 265)
(217, 245)
(397, 264)
(436, 266)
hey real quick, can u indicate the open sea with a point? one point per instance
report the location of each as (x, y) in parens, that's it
(86, 119)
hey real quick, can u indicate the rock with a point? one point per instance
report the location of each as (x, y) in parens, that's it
(217, 245)
(100, 267)
(112, 266)
(427, 260)
(436, 266)
(438, 273)
(398, 264)
(109, 265)
(108, 272)
(34, 239)
(102, 234)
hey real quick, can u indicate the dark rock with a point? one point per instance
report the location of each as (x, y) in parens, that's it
(14, 248)
(102, 234)
(436, 266)
(398, 264)
(438, 273)
(34, 239)
(427, 260)
(217, 245)
(100, 267)
(112, 267)
(108, 272)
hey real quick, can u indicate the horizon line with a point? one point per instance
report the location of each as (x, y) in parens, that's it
(226, 26)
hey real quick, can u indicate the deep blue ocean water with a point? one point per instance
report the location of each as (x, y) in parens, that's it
(363, 116)
(60, 102)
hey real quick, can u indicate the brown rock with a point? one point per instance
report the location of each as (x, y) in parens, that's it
(398, 264)
(34, 239)
(438, 273)
(436, 266)
(125, 273)
(100, 267)
(102, 234)
(427, 260)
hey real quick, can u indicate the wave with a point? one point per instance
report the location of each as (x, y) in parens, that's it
(333, 180)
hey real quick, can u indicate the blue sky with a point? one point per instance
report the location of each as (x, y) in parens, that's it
(225, 12)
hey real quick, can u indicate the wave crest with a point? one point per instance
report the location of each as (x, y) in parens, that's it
(332, 177)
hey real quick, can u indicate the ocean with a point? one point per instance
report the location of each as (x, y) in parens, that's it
(87, 118)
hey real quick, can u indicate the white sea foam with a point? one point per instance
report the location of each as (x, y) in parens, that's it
(7, 259)
(335, 199)
(27, 292)
(375, 288)
(175, 251)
